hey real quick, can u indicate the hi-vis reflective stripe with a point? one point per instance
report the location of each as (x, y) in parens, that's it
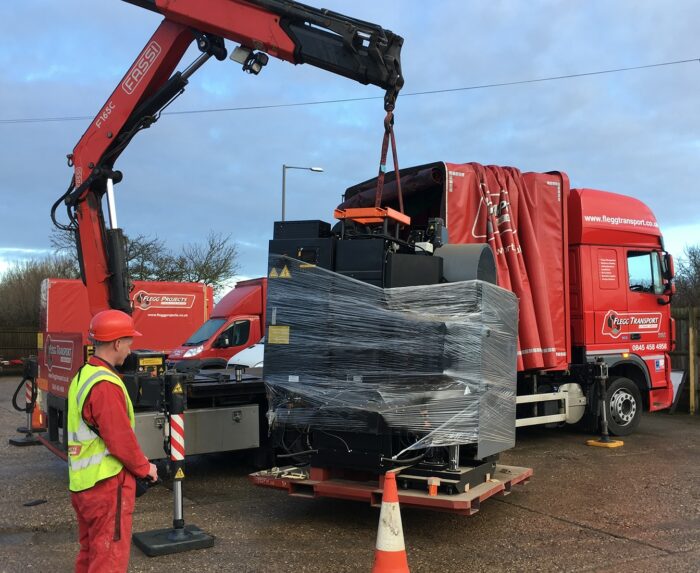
(102, 374)
(84, 434)
(91, 461)
(536, 351)
(610, 351)
(177, 437)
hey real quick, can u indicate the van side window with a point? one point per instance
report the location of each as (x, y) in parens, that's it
(236, 334)
(644, 272)
(239, 333)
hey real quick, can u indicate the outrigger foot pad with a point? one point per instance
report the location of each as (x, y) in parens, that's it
(28, 440)
(605, 443)
(167, 541)
(24, 430)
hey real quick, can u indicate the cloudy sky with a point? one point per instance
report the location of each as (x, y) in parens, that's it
(634, 132)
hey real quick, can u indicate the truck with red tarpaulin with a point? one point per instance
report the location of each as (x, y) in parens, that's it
(588, 267)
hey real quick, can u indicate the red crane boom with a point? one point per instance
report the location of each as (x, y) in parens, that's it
(283, 29)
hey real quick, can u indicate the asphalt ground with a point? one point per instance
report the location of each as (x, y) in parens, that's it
(635, 508)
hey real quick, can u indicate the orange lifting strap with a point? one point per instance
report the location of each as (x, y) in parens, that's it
(388, 137)
(379, 214)
(369, 215)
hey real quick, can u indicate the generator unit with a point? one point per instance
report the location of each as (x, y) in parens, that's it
(374, 358)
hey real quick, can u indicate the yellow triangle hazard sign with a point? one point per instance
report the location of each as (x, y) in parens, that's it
(285, 274)
(273, 273)
(179, 474)
(177, 389)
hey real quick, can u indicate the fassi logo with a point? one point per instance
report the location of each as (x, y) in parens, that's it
(614, 322)
(145, 300)
(141, 67)
(59, 354)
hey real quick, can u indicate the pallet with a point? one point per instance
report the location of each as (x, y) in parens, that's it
(319, 482)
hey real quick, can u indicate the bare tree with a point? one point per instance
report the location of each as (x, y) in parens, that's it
(211, 263)
(20, 288)
(688, 278)
(64, 246)
(144, 255)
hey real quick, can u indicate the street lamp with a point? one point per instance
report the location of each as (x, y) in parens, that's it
(284, 180)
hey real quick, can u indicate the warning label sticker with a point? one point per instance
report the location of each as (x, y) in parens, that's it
(278, 335)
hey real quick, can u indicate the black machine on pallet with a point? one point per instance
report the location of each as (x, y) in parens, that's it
(387, 347)
(374, 257)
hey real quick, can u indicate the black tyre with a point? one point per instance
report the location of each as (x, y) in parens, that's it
(625, 406)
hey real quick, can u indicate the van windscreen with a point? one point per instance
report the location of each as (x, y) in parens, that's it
(205, 332)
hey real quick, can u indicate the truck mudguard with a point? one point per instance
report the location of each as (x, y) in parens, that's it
(633, 361)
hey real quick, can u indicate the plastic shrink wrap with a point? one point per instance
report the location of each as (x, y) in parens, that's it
(435, 364)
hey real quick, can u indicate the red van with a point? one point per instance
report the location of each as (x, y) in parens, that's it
(236, 322)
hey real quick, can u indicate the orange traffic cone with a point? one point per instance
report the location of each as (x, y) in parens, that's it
(38, 419)
(390, 554)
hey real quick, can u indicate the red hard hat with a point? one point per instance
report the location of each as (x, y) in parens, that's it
(110, 325)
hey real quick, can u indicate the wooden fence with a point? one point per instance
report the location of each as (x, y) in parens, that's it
(17, 342)
(682, 358)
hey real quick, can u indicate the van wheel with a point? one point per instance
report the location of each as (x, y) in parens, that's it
(624, 406)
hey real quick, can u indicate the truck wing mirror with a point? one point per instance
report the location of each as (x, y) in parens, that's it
(667, 266)
(669, 291)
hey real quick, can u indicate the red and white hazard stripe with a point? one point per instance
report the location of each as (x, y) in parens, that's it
(28, 392)
(177, 437)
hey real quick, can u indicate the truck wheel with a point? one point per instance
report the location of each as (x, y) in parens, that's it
(624, 406)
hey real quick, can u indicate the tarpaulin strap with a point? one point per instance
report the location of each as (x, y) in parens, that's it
(388, 137)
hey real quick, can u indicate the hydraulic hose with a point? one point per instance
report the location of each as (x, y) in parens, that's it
(291, 455)
(404, 461)
(24, 407)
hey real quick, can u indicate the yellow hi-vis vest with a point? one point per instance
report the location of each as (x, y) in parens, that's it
(89, 460)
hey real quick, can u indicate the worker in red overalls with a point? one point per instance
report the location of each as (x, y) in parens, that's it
(103, 453)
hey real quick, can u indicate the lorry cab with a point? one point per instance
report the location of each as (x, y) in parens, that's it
(621, 287)
(235, 324)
